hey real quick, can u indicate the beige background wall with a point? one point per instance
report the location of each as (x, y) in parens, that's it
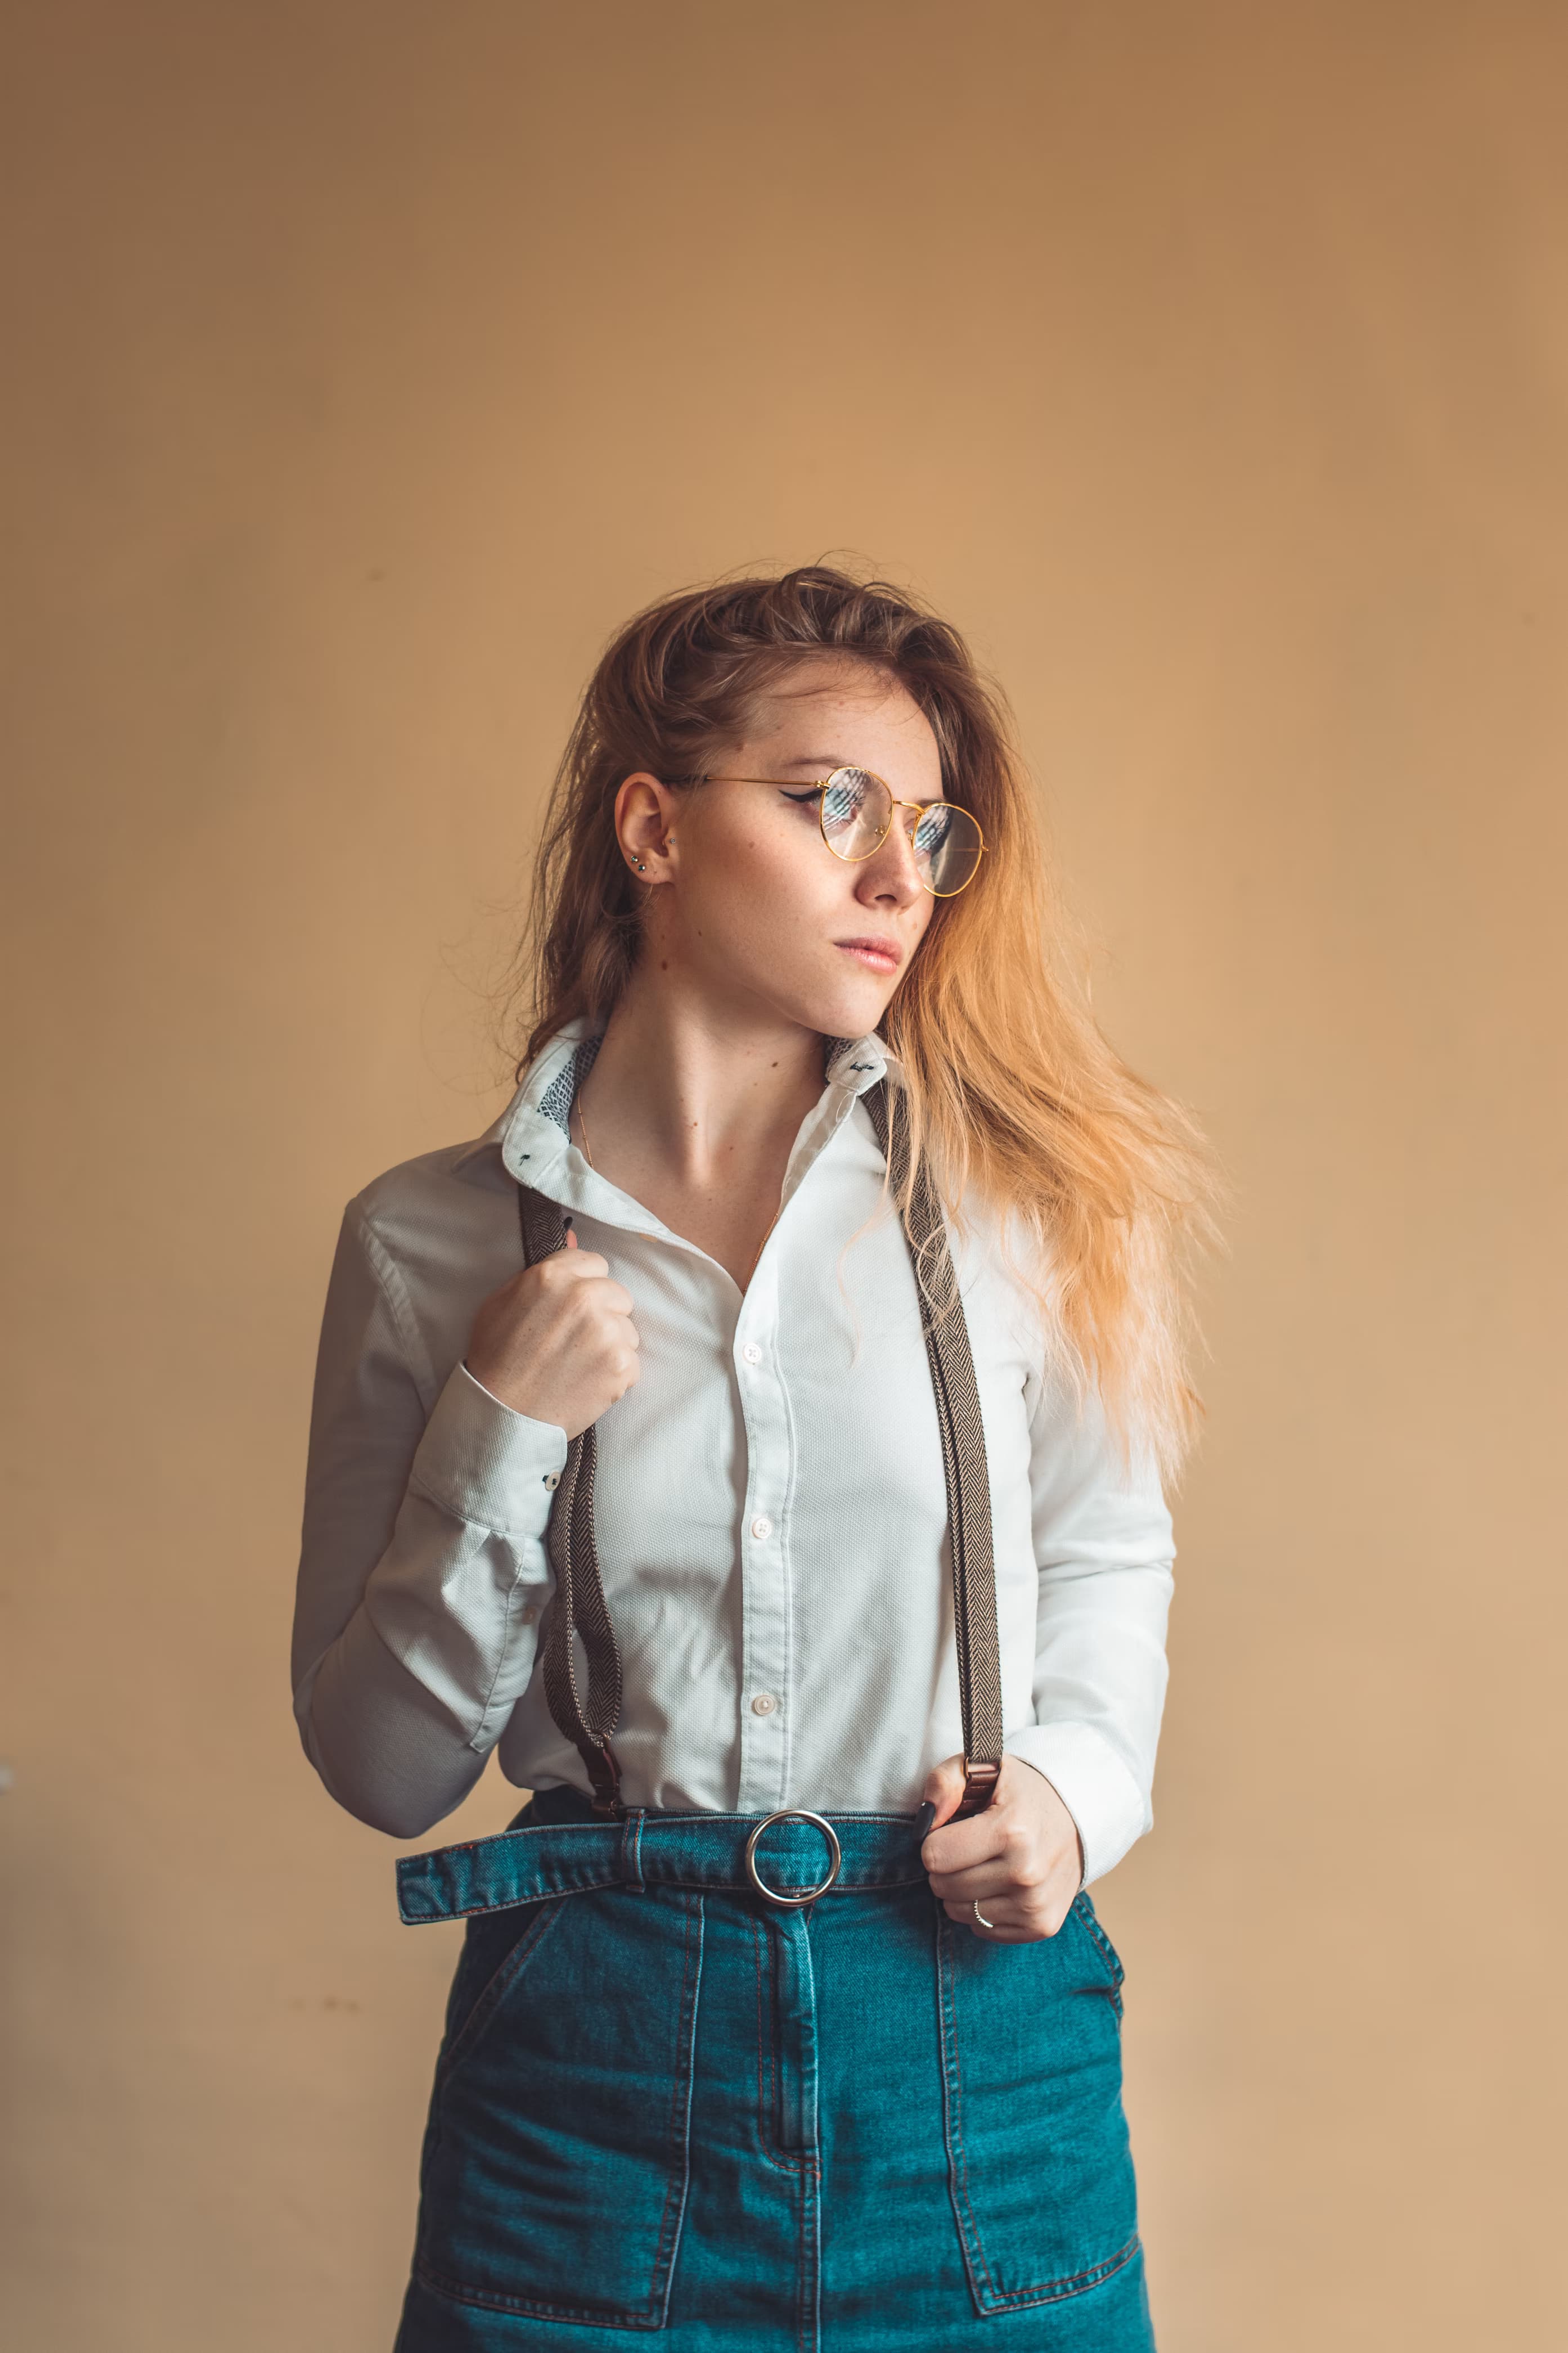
(369, 362)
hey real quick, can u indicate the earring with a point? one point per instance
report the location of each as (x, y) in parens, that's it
(640, 867)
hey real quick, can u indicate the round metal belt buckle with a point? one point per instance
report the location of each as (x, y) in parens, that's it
(806, 1894)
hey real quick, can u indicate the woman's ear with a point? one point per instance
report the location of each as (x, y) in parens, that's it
(644, 814)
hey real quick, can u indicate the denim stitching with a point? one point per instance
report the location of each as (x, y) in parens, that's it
(700, 1887)
(1057, 2291)
(1106, 1949)
(997, 2298)
(768, 2063)
(1080, 1904)
(652, 2315)
(495, 1989)
(509, 1903)
(496, 2300)
(756, 1934)
(958, 2153)
(542, 1895)
(808, 2270)
(631, 1852)
(680, 2175)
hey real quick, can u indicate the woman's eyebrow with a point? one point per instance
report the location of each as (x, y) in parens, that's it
(822, 762)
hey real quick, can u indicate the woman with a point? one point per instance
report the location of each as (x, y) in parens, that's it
(787, 1376)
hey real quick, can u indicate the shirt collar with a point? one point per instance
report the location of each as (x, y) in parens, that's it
(531, 1134)
(855, 1064)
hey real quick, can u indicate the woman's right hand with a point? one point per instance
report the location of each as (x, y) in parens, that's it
(557, 1342)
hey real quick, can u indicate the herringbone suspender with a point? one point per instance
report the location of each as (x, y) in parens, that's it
(578, 1605)
(951, 1362)
(589, 1718)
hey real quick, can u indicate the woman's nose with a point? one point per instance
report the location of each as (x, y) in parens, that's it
(891, 872)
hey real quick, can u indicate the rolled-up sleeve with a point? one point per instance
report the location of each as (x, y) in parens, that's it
(1104, 1550)
(422, 1568)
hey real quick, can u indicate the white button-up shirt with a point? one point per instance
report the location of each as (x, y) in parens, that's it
(771, 1508)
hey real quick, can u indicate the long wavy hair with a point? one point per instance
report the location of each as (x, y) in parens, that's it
(1011, 1091)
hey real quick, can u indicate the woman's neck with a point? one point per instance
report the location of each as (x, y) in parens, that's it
(692, 1109)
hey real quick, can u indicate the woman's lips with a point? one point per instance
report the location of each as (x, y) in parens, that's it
(877, 955)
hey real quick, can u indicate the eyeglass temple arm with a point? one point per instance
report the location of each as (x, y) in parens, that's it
(816, 785)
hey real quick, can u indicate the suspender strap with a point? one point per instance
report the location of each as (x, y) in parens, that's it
(578, 1610)
(951, 1362)
(578, 1607)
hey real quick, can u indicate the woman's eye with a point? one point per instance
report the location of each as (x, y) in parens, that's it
(803, 801)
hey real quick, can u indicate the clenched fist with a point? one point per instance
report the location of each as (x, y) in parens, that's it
(557, 1342)
(1021, 1860)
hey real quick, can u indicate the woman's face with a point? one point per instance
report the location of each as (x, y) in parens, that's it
(747, 902)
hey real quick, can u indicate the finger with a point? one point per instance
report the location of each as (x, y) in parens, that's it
(572, 1241)
(982, 1879)
(1011, 1923)
(978, 1838)
(996, 1929)
(578, 1264)
(996, 1913)
(943, 1790)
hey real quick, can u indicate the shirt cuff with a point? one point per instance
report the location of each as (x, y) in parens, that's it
(485, 1464)
(1093, 1783)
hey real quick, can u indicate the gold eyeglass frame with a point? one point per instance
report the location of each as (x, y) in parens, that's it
(819, 787)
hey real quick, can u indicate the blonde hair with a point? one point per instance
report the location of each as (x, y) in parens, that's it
(1010, 1088)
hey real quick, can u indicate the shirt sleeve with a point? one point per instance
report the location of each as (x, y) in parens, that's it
(422, 1565)
(1104, 1550)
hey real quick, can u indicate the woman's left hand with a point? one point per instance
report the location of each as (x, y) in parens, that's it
(1021, 1860)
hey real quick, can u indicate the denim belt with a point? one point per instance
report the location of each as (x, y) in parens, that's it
(785, 1857)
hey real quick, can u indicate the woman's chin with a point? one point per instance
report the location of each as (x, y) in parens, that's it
(847, 1003)
(850, 1012)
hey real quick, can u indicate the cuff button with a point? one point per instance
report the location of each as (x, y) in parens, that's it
(552, 1478)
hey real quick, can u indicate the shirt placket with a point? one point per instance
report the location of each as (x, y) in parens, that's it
(768, 1694)
(767, 1691)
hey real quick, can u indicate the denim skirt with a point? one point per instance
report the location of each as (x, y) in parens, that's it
(664, 2105)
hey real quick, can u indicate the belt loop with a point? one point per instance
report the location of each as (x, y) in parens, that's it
(631, 1849)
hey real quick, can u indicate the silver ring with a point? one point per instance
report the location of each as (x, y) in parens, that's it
(808, 1894)
(980, 1917)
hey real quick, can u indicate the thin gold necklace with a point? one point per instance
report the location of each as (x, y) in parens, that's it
(581, 1122)
(588, 1156)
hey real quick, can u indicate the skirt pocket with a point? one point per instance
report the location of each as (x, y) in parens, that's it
(497, 1947)
(1039, 2160)
(555, 2172)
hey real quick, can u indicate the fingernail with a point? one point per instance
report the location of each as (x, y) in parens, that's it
(923, 1821)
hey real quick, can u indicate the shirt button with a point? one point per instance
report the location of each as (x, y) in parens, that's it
(751, 1353)
(764, 1703)
(761, 1529)
(552, 1478)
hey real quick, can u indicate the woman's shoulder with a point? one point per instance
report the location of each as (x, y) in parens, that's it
(444, 1177)
(429, 1239)
(438, 1213)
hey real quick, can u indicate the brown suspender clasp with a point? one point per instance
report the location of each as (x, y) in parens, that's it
(605, 1772)
(978, 1787)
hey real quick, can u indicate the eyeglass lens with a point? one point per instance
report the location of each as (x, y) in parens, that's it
(857, 809)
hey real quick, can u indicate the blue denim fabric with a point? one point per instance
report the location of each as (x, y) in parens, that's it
(662, 2104)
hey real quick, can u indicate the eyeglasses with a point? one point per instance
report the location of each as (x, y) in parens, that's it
(854, 810)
